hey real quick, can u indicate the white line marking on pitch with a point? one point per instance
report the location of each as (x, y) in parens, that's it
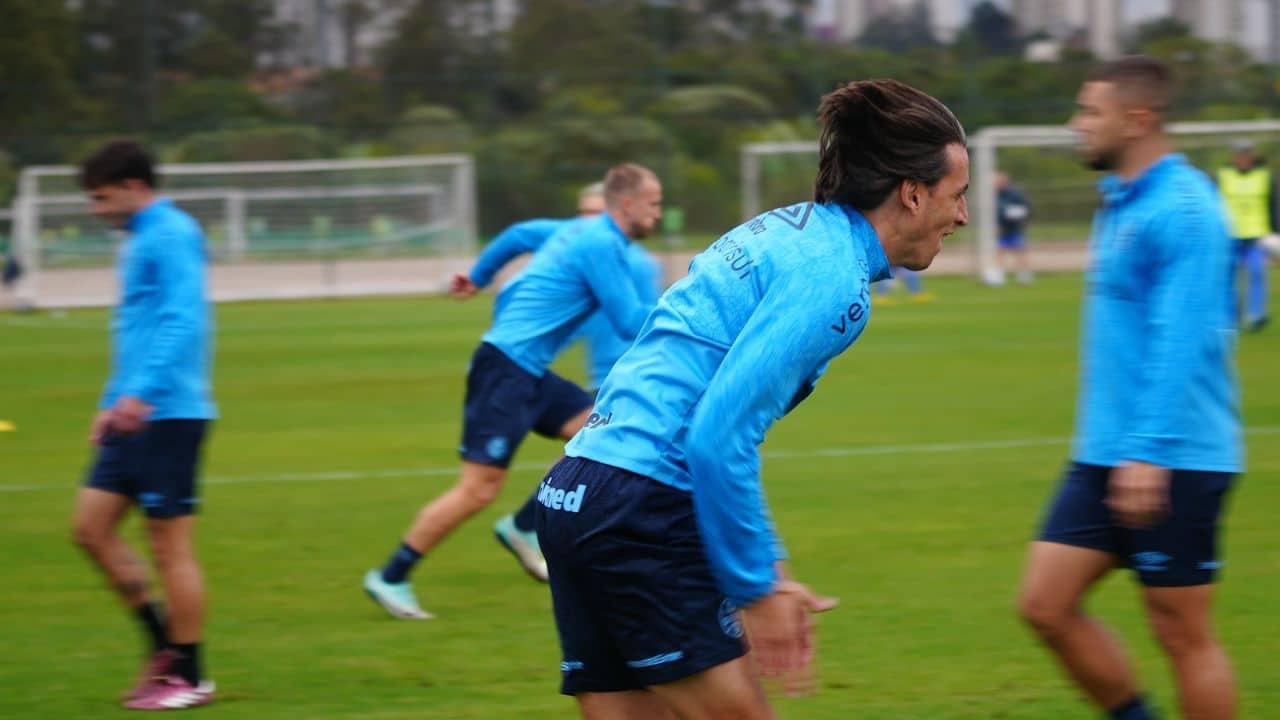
(854, 451)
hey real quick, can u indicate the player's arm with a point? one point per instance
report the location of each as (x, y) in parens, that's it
(179, 272)
(1184, 319)
(778, 352)
(775, 358)
(523, 237)
(1184, 325)
(602, 262)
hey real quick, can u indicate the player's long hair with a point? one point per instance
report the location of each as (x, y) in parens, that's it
(877, 133)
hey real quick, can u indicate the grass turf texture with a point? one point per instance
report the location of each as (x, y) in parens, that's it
(340, 418)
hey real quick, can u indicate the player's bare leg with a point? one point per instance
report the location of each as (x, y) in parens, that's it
(477, 487)
(1180, 618)
(97, 517)
(1054, 584)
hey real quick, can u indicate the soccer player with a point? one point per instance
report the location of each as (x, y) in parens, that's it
(509, 389)
(1158, 438)
(152, 422)
(658, 541)
(515, 531)
(1250, 194)
(1012, 211)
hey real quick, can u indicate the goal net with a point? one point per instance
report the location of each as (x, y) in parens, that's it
(274, 229)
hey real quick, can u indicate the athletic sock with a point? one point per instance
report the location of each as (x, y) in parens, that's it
(149, 615)
(1135, 709)
(526, 519)
(187, 663)
(400, 563)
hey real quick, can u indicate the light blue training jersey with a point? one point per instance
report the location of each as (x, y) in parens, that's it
(727, 351)
(1157, 361)
(604, 343)
(581, 268)
(162, 328)
(516, 240)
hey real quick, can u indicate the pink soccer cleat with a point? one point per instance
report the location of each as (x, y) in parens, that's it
(172, 693)
(156, 668)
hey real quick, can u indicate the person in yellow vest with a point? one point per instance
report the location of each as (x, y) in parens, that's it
(1249, 190)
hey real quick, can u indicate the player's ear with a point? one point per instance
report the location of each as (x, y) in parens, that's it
(909, 194)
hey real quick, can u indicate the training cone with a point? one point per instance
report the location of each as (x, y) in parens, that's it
(6, 426)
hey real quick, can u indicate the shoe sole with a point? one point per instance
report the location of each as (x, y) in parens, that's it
(502, 540)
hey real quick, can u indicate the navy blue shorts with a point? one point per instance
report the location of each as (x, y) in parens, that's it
(1181, 550)
(635, 602)
(155, 466)
(504, 402)
(1016, 241)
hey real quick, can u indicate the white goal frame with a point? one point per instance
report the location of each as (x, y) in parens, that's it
(461, 202)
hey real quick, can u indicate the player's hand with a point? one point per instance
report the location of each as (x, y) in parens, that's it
(129, 414)
(781, 634)
(1138, 494)
(99, 428)
(461, 287)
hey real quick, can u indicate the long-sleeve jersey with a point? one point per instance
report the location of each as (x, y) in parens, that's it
(162, 327)
(516, 240)
(728, 350)
(580, 269)
(604, 343)
(1157, 375)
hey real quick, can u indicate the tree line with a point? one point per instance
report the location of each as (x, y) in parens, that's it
(571, 87)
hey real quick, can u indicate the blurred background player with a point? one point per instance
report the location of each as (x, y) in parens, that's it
(604, 343)
(152, 422)
(1012, 211)
(1158, 439)
(579, 270)
(655, 526)
(1249, 191)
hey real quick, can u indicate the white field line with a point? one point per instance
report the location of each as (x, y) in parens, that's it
(854, 451)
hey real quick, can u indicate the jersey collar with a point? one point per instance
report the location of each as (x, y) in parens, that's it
(864, 233)
(1116, 189)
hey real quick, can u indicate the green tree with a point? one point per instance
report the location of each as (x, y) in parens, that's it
(425, 129)
(443, 52)
(992, 30)
(900, 30)
(349, 101)
(207, 104)
(252, 144)
(38, 56)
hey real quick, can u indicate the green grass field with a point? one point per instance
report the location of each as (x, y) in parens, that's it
(907, 485)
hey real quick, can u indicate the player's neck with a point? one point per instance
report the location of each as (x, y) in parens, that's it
(618, 222)
(1140, 156)
(886, 226)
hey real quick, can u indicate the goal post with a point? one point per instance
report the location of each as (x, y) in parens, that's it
(301, 214)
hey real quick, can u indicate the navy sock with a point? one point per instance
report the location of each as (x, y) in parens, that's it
(149, 614)
(401, 562)
(525, 519)
(1135, 709)
(187, 663)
